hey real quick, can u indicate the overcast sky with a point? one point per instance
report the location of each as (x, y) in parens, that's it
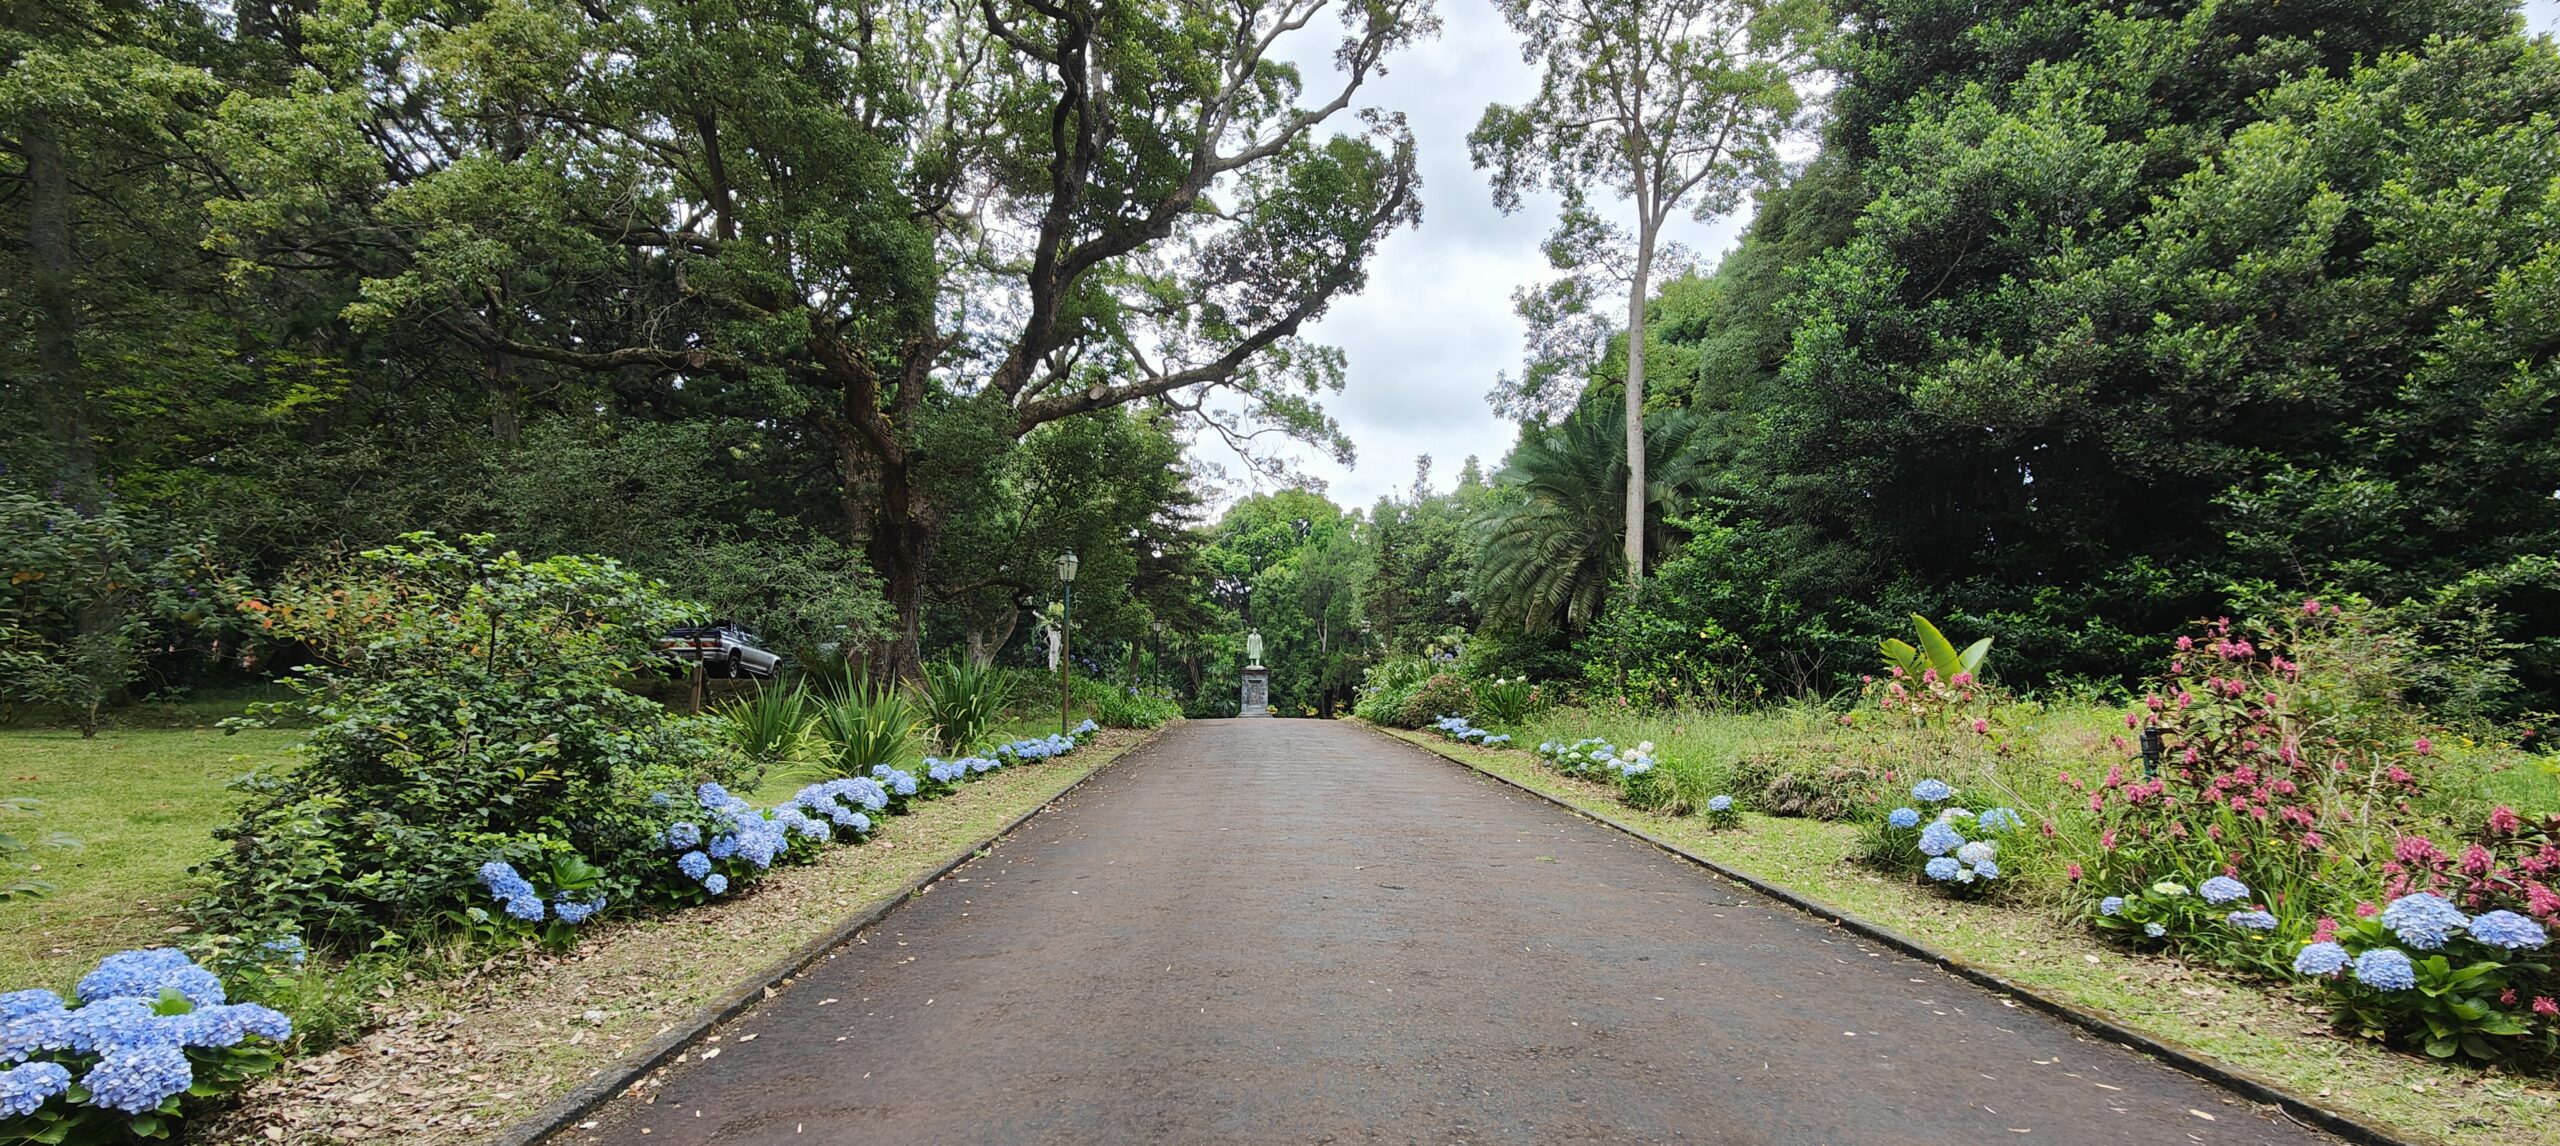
(1435, 326)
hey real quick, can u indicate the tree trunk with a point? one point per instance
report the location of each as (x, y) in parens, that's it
(901, 550)
(1635, 411)
(61, 399)
(506, 415)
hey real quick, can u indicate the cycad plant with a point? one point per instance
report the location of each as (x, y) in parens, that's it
(867, 725)
(1553, 534)
(962, 701)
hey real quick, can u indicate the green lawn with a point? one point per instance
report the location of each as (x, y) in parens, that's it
(143, 802)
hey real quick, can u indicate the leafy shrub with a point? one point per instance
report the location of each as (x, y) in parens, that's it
(962, 702)
(1439, 695)
(1386, 692)
(1508, 701)
(1116, 707)
(866, 726)
(151, 1032)
(464, 709)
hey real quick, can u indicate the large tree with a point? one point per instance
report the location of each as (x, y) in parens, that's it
(1664, 103)
(905, 233)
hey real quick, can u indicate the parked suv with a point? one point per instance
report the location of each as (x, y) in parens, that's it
(723, 648)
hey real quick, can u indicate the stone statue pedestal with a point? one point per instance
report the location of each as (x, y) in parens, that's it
(1257, 691)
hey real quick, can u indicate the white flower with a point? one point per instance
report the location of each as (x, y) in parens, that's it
(1964, 875)
(1645, 749)
(1979, 851)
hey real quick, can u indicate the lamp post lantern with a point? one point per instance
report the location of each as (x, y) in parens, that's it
(1066, 617)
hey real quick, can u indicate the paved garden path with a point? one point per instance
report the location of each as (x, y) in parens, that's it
(1297, 931)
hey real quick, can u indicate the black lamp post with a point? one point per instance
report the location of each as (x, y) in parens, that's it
(1066, 615)
(2152, 749)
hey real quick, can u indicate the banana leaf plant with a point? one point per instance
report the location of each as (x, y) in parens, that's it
(1935, 652)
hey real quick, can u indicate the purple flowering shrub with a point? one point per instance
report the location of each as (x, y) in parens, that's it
(146, 1033)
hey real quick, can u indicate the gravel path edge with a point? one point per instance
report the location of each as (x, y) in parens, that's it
(2248, 1085)
(565, 1111)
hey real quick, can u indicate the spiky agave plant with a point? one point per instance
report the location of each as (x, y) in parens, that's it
(962, 701)
(773, 725)
(867, 725)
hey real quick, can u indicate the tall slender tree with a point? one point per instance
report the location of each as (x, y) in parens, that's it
(1664, 103)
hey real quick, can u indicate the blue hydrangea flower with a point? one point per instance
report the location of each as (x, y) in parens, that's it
(722, 846)
(711, 795)
(897, 780)
(860, 823)
(2386, 968)
(231, 1024)
(684, 834)
(1977, 852)
(526, 907)
(1943, 868)
(695, 865)
(1931, 791)
(1987, 869)
(1939, 839)
(2424, 920)
(104, 1026)
(2251, 920)
(32, 1032)
(25, 1090)
(503, 881)
(2154, 930)
(288, 949)
(2000, 820)
(2321, 959)
(136, 1080)
(2222, 889)
(573, 912)
(144, 974)
(1902, 818)
(717, 884)
(17, 1003)
(2111, 905)
(2508, 930)
(1720, 804)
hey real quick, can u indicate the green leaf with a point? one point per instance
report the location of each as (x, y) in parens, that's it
(1942, 655)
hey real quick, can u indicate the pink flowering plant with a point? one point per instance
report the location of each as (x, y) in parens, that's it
(2276, 774)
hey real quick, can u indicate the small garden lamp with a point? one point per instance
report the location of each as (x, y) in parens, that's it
(1066, 664)
(2152, 749)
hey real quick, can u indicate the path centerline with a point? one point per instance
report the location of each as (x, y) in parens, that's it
(1291, 931)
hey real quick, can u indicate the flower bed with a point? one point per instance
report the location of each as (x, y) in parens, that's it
(150, 1029)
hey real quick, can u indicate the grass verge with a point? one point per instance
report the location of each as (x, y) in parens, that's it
(2262, 1028)
(455, 1059)
(143, 802)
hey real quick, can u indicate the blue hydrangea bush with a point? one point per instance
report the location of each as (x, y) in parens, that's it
(1457, 728)
(1951, 847)
(2219, 920)
(2424, 974)
(146, 1034)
